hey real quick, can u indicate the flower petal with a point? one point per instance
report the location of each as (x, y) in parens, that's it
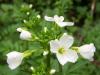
(54, 45)
(19, 29)
(62, 58)
(61, 18)
(14, 59)
(87, 51)
(58, 19)
(71, 56)
(48, 18)
(63, 24)
(68, 56)
(66, 41)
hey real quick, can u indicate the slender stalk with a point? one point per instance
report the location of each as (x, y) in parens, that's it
(48, 64)
(60, 69)
(57, 30)
(26, 45)
(47, 60)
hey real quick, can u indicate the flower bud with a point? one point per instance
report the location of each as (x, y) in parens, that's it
(14, 59)
(28, 13)
(24, 21)
(30, 6)
(45, 29)
(24, 35)
(45, 53)
(52, 71)
(38, 16)
(19, 29)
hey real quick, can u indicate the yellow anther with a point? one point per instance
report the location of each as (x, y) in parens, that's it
(61, 50)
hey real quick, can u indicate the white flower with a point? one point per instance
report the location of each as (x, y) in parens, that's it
(14, 59)
(62, 49)
(52, 71)
(87, 51)
(24, 35)
(59, 20)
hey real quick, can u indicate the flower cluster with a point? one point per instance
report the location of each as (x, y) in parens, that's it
(62, 48)
(65, 53)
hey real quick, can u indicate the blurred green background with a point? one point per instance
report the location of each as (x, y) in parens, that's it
(85, 14)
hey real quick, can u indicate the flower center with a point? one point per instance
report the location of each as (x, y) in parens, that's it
(61, 50)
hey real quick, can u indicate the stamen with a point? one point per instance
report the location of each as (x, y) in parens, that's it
(61, 50)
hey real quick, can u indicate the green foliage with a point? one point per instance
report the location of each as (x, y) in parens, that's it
(13, 16)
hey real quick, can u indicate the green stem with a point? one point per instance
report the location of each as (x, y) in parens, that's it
(26, 45)
(48, 64)
(60, 69)
(28, 53)
(57, 30)
(47, 59)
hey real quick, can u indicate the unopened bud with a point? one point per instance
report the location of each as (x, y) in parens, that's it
(19, 29)
(38, 16)
(52, 71)
(32, 69)
(45, 53)
(30, 6)
(28, 13)
(24, 21)
(45, 29)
